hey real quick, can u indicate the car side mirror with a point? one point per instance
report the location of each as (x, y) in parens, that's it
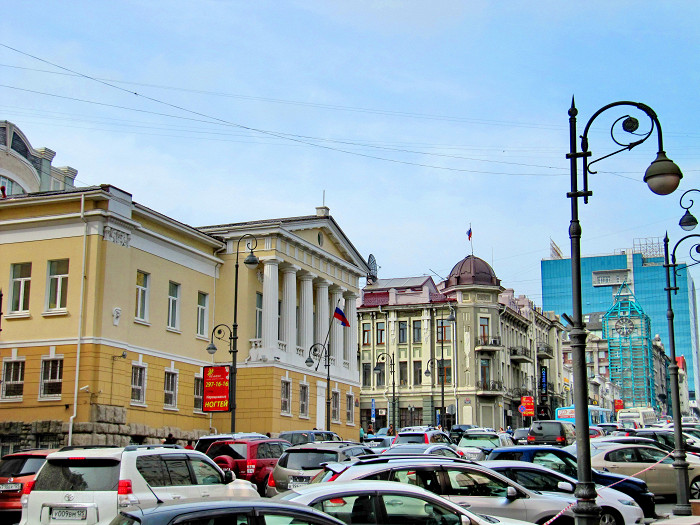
(464, 520)
(565, 486)
(228, 476)
(512, 493)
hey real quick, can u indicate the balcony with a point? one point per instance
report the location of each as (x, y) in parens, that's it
(520, 354)
(490, 343)
(489, 388)
(545, 351)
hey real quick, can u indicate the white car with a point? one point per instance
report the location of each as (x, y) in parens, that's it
(90, 485)
(617, 508)
(371, 501)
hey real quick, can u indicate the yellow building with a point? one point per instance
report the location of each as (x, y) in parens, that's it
(108, 308)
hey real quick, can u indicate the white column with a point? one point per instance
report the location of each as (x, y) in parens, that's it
(336, 341)
(321, 311)
(289, 307)
(306, 310)
(350, 340)
(270, 330)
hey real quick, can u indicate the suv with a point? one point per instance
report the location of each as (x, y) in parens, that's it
(204, 442)
(91, 484)
(299, 437)
(15, 470)
(251, 459)
(550, 432)
(300, 463)
(427, 436)
(457, 430)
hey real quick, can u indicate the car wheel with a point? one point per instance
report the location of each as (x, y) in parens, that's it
(695, 488)
(262, 489)
(609, 516)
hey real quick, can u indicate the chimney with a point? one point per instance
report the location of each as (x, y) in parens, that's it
(322, 211)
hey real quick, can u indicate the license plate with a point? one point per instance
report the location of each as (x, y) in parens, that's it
(68, 514)
(297, 484)
(10, 486)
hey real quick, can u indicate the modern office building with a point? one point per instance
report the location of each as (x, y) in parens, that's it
(641, 268)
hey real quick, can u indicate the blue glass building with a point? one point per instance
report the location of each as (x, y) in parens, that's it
(643, 271)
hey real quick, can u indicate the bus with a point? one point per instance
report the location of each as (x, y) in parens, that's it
(596, 414)
(637, 417)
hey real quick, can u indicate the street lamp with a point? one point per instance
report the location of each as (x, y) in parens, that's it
(251, 262)
(662, 177)
(384, 357)
(450, 318)
(317, 352)
(682, 507)
(688, 221)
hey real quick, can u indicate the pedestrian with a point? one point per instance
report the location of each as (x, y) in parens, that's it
(268, 434)
(390, 432)
(500, 429)
(370, 430)
(362, 434)
(189, 445)
(170, 440)
(509, 430)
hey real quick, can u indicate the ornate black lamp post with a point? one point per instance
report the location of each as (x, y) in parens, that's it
(384, 357)
(682, 507)
(251, 262)
(441, 367)
(317, 352)
(662, 177)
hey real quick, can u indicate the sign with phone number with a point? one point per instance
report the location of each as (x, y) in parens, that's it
(216, 389)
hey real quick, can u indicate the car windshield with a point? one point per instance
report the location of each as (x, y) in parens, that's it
(309, 459)
(78, 475)
(410, 438)
(520, 432)
(478, 440)
(545, 428)
(20, 465)
(233, 450)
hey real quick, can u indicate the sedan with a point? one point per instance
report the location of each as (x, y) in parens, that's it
(641, 461)
(478, 445)
(616, 508)
(377, 502)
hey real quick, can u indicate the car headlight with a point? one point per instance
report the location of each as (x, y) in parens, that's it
(628, 502)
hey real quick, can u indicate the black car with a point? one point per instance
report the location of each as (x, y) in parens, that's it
(551, 432)
(252, 511)
(667, 437)
(456, 431)
(565, 462)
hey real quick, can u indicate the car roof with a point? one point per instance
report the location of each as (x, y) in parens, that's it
(331, 445)
(360, 485)
(39, 452)
(116, 452)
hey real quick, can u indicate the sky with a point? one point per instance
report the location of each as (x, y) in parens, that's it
(411, 120)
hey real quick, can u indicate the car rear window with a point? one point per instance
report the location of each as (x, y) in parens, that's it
(234, 450)
(410, 438)
(309, 459)
(20, 465)
(78, 475)
(546, 428)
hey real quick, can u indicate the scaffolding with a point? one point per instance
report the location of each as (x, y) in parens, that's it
(630, 356)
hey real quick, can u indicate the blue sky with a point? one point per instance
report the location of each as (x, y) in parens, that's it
(416, 119)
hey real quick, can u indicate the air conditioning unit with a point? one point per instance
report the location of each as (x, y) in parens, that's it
(495, 341)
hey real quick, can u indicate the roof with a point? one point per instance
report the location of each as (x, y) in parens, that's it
(398, 282)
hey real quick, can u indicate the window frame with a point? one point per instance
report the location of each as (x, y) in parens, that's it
(335, 406)
(350, 408)
(198, 393)
(142, 297)
(55, 377)
(12, 374)
(143, 371)
(172, 376)
(286, 397)
(366, 334)
(59, 294)
(380, 328)
(403, 332)
(202, 314)
(417, 330)
(304, 400)
(22, 293)
(173, 319)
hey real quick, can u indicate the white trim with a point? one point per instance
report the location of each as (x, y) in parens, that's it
(55, 312)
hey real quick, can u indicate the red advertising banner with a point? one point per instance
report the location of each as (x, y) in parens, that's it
(619, 404)
(215, 394)
(528, 403)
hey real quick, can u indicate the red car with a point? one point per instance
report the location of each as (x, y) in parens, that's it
(16, 469)
(251, 459)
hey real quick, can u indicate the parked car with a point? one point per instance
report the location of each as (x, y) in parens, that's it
(616, 508)
(16, 470)
(383, 431)
(549, 432)
(423, 448)
(520, 435)
(596, 432)
(239, 511)
(300, 463)
(610, 427)
(423, 436)
(667, 437)
(378, 444)
(204, 442)
(462, 482)
(632, 440)
(561, 460)
(373, 502)
(636, 459)
(477, 445)
(299, 437)
(90, 485)
(456, 431)
(250, 459)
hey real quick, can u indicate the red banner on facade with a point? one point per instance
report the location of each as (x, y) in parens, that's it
(528, 403)
(619, 404)
(216, 390)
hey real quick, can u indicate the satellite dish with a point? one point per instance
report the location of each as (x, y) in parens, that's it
(372, 264)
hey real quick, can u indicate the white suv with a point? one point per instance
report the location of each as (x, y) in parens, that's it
(90, 485)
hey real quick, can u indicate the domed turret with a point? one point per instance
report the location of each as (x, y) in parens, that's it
(472, 270)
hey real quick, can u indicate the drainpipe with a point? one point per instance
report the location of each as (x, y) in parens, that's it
(80, 322)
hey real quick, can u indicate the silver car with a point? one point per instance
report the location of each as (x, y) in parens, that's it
(371, 502)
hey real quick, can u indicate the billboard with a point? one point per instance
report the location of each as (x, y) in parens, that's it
(216, 389)
(528, 404)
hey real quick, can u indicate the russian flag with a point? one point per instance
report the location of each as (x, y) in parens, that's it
(469, 234)
(340, 316)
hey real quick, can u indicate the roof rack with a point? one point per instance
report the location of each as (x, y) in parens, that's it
(369, 459)
(84, 447)
(130, 448)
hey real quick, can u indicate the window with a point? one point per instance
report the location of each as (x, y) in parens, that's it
(381, 374)
(286, 397)
(403, 373)
(417, 372)
(13, 379)
(58, 285)
(304, 400)
(366, 374)
(198, 393)
(366, 334)
(202, 304)
(484, 330)
(445, 372)
(21, 279)
(349, 409)
(443, 331)
(173, 305)
(403, 331)
(416, 331)
(335, 406)
(142, 281)
(474, 483)
(380, 333)
(170, 389)
(258, 315)
(138, 384)
(51, 377)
